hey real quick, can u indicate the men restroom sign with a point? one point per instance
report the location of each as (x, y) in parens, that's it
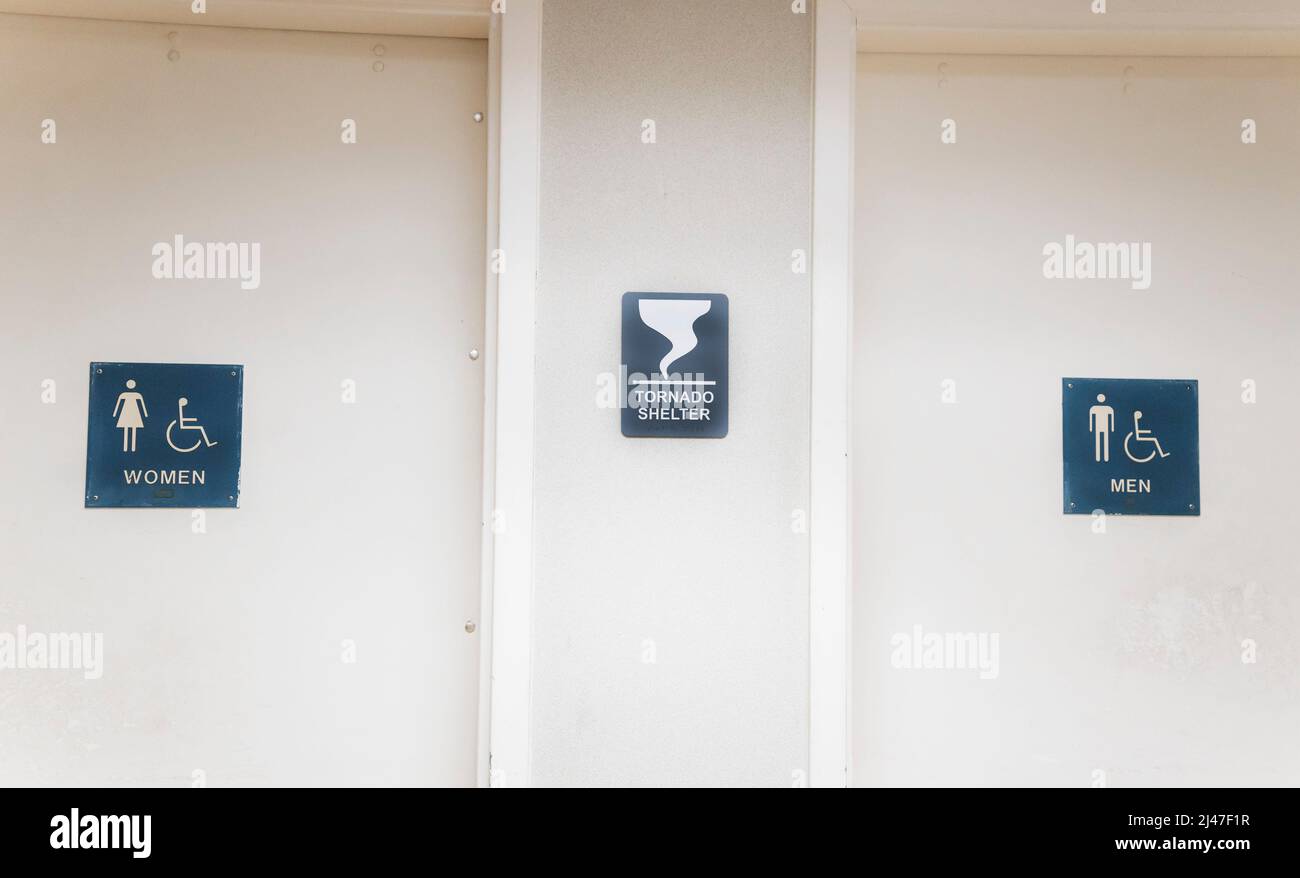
(164, 435)
(1131, 446)
(675, 365)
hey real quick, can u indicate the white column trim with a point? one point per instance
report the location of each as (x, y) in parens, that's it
(830, 585)
(512, 587)
(491, 300)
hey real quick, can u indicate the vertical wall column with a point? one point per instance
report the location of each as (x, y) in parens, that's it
(515, 264)
(670, 635)
(832, 333)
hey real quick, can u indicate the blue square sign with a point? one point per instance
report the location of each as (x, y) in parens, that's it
(164, 435)
(675, 365)
(1131, 446)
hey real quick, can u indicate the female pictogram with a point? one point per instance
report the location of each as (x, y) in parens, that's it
(133, 414)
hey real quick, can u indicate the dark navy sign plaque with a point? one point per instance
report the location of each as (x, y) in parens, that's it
(1131, 446)
(164, 435)
(675, 365)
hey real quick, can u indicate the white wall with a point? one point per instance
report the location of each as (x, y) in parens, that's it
(223, 650)
(1122, 651)
(687, 544)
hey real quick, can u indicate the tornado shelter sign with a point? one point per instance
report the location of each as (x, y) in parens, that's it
(1131, 446)
(164, 435)
(675, 365)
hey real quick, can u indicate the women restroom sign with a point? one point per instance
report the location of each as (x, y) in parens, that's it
(675, 365)
(164, 435)
(1131, 446)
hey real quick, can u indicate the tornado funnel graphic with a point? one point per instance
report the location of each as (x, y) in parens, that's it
(674, 319)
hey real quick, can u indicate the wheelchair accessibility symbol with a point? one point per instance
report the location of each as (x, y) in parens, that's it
(1101, 423)
(1142, 436)
(187, 424)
